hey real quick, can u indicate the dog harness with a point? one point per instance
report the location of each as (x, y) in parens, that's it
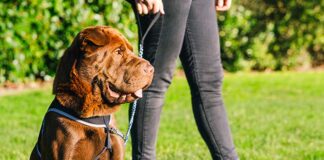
(97, 122)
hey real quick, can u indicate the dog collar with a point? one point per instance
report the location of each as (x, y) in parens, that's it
(98, 122)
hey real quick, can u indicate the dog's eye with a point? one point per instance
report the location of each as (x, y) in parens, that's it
(119, 51)
(90, 43)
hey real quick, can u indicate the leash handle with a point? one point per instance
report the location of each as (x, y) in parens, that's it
(141, 50)
(156, 17)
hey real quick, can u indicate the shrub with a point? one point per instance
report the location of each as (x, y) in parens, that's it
(276, 35)
(255, 35)
(34, 33)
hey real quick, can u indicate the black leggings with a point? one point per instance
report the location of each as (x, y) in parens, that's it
(189, 30)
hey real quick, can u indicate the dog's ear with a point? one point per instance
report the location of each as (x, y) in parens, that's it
(65, 66)
(63, 85)
(119, 38)
(85, 42)
(92, 38)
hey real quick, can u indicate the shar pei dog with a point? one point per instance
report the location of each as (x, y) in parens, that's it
(95, 75)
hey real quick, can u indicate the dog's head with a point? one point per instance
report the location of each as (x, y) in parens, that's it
(99, 71)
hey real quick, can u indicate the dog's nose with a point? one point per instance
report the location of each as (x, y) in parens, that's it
(148, 68)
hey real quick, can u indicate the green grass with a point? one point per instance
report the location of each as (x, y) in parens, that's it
(272, 116)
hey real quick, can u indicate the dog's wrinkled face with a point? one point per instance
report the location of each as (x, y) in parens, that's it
(104, 59)
(108, 60)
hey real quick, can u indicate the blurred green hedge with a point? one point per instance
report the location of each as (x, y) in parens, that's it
(255, 35)
(35, 33)
(272, 35)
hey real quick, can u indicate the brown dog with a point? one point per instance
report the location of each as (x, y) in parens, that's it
(96, 74)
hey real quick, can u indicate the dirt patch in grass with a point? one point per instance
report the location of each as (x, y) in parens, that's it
(9, 88)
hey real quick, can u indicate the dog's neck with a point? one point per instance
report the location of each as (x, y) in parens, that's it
(84, 99)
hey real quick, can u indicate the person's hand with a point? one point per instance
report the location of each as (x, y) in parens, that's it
(149, 6)
(223, 5)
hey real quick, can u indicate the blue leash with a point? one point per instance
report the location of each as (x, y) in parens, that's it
(141, 49)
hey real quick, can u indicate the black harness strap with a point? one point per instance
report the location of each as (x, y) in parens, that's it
(107, 143)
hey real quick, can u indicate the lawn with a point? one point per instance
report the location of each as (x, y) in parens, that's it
(272, 116)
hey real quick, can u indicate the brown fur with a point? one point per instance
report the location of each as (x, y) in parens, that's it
(96, 74)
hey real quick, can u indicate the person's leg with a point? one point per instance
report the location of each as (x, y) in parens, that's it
(201, 60)
(162, 51)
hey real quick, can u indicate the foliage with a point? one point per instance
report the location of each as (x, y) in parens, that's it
(273, 117)
(255, 35)
(35, 33)
(276, 35)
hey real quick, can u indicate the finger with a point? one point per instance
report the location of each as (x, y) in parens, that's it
(149, 4)
(144, 8)
(156, 7)
(228, 4)
(220, 3)
(161, 8)
(221, 8)
(225, 8)
(139, 8)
